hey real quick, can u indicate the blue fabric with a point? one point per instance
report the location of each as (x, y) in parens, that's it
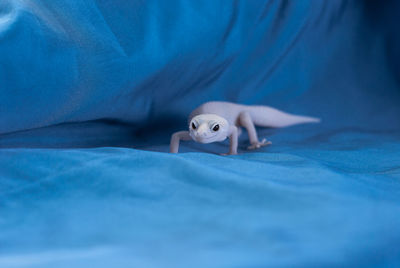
(90, 92)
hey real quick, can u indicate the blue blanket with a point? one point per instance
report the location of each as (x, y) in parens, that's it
(90, 92)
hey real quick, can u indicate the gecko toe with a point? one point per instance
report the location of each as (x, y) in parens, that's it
(258, 145)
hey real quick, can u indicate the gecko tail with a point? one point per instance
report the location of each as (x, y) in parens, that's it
(265, 116)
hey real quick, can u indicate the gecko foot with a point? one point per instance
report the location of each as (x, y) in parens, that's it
(225, 154)
(257, 145)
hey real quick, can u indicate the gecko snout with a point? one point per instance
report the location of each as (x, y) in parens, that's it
(202, 131)
(203, 134)
(200, 134)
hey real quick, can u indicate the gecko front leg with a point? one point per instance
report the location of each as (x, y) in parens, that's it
(246, 121)
(176, 137)
(233, 140)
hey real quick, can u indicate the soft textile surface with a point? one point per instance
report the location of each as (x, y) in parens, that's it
(90, 92)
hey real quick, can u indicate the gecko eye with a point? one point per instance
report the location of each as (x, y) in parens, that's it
(216, 127)
(193, 126)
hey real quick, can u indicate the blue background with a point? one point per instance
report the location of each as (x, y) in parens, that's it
(90, 92)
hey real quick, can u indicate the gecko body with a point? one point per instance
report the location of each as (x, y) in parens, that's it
(215, 121)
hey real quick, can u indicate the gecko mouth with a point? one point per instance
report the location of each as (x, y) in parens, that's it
(203, 140)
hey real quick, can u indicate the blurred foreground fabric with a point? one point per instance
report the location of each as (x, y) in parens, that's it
(90, 92)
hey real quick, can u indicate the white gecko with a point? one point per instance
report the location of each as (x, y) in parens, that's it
(215, 121)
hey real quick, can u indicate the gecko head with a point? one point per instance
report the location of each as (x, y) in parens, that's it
(207, 128)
